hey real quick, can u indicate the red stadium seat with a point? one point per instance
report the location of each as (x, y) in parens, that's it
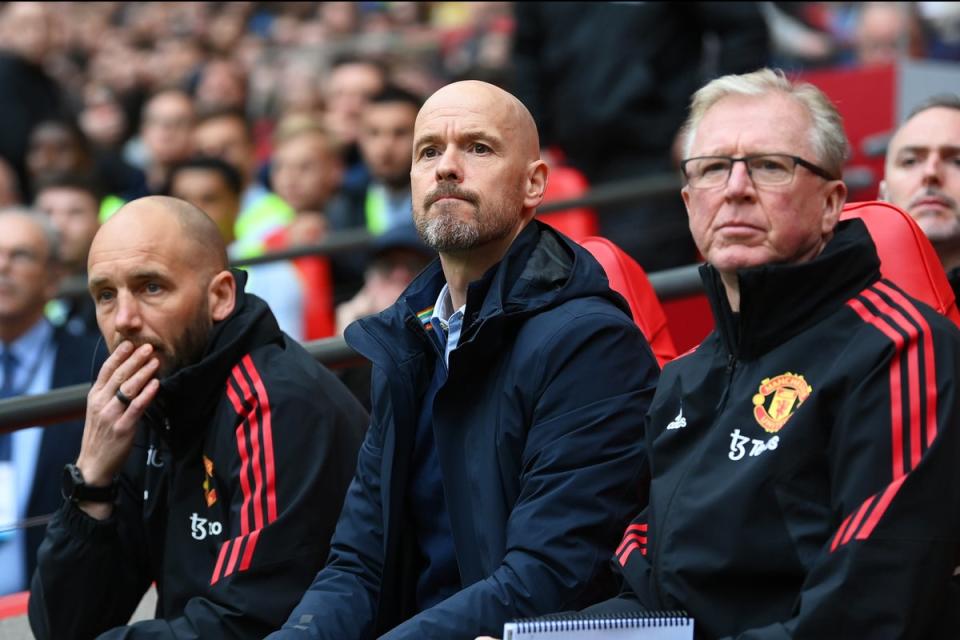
(906, 256)
(566, 183)
(630, 280)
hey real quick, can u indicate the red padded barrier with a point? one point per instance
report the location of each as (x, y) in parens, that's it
(630, 280)
(14, 604)
(566, 183)
(906, 256)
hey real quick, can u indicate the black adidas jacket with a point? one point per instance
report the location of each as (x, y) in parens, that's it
(804, 461)
(227, 501)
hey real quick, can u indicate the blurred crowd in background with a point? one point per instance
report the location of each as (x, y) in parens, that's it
(260, 113)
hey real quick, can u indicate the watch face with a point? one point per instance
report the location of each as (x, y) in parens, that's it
(75, 489)
(72, 478)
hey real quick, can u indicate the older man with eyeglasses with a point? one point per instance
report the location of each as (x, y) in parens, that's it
(803, 478)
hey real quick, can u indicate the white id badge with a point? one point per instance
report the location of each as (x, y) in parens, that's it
(8, 500)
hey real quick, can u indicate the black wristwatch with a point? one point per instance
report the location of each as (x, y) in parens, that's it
(76, 490)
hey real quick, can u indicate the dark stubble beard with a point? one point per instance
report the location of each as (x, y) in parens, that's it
(445, 232)
(191, 346)
(187, 349)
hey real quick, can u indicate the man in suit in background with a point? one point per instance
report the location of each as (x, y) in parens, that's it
(922, 176)
(34, 358)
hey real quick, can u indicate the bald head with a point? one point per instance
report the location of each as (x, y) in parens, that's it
(200, 242)
(477, 177)
(507, 112)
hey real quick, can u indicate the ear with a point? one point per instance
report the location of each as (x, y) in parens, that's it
(835, 197)
(222, 295)
(882, 192)
(536, 186)
(685, 194)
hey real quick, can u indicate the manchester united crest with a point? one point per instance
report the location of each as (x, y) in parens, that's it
(209, 492)
(777, 399)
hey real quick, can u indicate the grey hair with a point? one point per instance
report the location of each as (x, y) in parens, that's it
(826, 134)
(42, 221)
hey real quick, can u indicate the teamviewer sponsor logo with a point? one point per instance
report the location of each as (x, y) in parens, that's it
(200, 527)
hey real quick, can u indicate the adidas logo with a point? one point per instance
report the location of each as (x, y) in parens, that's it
(679, 422)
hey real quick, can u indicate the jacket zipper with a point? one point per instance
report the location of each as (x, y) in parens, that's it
(730, 369)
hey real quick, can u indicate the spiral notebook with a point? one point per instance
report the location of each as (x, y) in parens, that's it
(641, 625)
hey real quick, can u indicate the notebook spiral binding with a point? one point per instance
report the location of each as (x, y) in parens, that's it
(574, 622)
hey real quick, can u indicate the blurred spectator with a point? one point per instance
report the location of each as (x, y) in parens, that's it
(922, 176)
(56, 147)
(887, 32)
(349, 85)
(386, 147)
(72, 202)
(395, 258)
(307, 171)
(226, 134)
(215, 187)
(477, 43)
(221, 85)
(9, 185)
(166, 130)
(59, 146)
(29, 95)
(103, 118)
(942, 20)
(608, 84)
(801, 34)
(34, 358)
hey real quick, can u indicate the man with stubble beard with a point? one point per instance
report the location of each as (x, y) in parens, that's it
(508, 393)
(215, 455)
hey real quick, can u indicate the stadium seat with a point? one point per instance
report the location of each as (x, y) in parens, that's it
(906, 256)
(566, 183)
(630, 280)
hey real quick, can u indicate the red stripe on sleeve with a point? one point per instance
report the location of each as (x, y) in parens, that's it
(255, 451)
(913, 372)
(267, 437)
(220, 558)
(896, 401)
(862, 511)
(234, 398)
(631, 537)
(840, 532)
(626, 553)
(929, 367)
(234, 554)
(882, 505)
(244, 462)
(248, 551)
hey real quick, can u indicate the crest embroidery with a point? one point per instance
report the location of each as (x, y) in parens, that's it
(778, 398)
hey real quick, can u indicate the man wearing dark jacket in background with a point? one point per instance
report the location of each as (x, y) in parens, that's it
(215, 454)
(608, 85)
(29, 95)
(509, 389)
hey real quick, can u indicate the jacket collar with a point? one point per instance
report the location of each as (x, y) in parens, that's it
(779, 301)
(541, 269)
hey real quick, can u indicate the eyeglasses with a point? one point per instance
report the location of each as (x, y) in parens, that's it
(766, 170)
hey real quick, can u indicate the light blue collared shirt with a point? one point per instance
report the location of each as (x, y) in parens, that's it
(447, 321)
(35, 354)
